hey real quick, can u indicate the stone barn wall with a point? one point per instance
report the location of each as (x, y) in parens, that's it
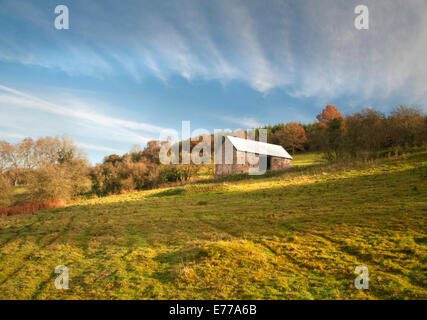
(224, 169)
(278, 163)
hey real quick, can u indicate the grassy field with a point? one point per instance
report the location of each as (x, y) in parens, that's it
(291, 235)
(307, 159)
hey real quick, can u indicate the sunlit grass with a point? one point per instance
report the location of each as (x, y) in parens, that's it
(307, 159)
(298, 234)
(20, 195)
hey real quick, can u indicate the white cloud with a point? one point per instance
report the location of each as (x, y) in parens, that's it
(75, 109)
(307, 48)
(97, 148)
(11, 135)
(4, 135)
(388, 60)
(244, 122)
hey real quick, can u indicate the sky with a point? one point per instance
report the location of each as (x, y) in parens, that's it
(126, 70)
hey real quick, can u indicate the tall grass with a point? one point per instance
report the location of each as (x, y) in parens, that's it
(30, 207)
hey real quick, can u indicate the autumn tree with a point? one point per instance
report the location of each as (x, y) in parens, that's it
(366, 133)
(329, 133)
(13, 158)
(291, 136)
(329, 113)
(51, 167)
(406, 126)
(62, 172)
(135, 170)
(335, 134)
(8, 156)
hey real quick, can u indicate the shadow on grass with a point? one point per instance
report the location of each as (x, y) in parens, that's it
(352, 212)
(172, 261)
(168, 192)
(231, 210)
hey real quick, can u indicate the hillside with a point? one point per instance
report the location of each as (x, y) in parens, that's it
(292, 235)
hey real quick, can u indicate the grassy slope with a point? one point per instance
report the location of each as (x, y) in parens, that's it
(298, 234)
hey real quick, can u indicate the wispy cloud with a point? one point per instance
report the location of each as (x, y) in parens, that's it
(307, 48)
(98, 148)
(5, 135)
(85, 146)
(78, 110)
(244, 122)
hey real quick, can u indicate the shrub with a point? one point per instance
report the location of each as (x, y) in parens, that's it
(124, 175)
(50, 182)
(58, 182)
(179, 172)
(169, 173)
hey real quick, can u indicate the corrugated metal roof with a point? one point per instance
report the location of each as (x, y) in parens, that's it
(259, 147)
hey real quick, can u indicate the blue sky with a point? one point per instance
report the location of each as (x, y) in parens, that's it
(125, 70)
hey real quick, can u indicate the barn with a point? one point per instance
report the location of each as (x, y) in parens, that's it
(235, 156)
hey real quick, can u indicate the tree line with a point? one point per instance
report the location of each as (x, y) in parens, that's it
(50, 168)
(364, 134)
(53, 168)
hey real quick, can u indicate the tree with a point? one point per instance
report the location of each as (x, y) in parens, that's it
(365, 132)
(330, 138)
(329, 113)
(45, 151)
(60, 181)
(9, 160)
(25, 153)
(152, 154)
(7, 156)
(291, 136)
(68, 151)
(49, 183)
(180, 172)
(6, 191)
(335, 139)
(78, 172)
(329, 132)
(53, 168)
(187, 171)
(113, 159)
(310, 131)
(135, 170)
(406, 126)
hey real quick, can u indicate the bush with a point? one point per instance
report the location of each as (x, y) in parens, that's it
(179, 172)
(50, 182)
(123, 175)
(58, 182)
(78, 175)
(169, 173)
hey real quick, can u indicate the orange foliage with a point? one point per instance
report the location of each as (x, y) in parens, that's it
(329, 113)
(30, 207)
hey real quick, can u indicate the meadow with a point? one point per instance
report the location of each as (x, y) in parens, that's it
(297, 234)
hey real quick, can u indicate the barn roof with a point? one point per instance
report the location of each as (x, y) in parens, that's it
(259, 147)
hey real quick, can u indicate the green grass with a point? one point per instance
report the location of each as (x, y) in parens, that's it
(292, 235)
(20, 195)
(307, 159)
